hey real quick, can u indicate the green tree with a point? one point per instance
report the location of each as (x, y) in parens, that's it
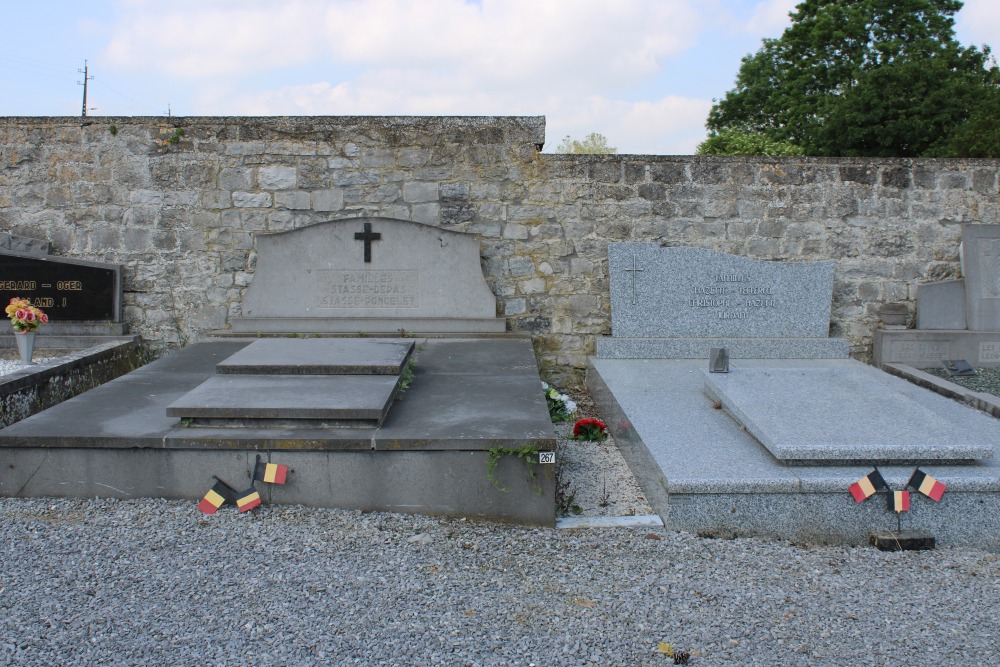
(977, 137)
(861, 77)
(594, 143)
(737, 142)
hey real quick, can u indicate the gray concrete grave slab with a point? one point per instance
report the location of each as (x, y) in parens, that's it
(704, 473)
(941, 305)
(842, 411)
(428, 456)
(368, 274)
(335, 400)
(981, 267)
(697, 293)
(320, 356)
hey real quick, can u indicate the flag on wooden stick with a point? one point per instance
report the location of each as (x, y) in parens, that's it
(217, 496)
(926, 485)
(899, 501)
(247, 500)
(272, 473)
(865, 488)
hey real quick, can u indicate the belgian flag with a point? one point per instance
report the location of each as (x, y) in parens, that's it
(865, 488)
(247, 500)
(899, 501)
(217, 496)
(926, 485)
(272, 473)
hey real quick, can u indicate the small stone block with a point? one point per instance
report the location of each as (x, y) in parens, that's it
(902, 540)
(320, 356)
(959, 367)
(718, 360)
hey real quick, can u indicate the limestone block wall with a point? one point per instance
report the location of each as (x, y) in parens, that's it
(177, 202)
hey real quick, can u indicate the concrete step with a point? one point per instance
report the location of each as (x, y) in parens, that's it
(320, 356)
(339, 401)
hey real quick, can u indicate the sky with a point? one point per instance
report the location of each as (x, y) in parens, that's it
(641, 72)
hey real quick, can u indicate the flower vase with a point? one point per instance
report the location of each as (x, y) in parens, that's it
(25, 345)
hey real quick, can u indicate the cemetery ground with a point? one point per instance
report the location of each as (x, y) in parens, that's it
(150, 582)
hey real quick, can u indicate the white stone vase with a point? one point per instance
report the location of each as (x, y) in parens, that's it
(25, 345)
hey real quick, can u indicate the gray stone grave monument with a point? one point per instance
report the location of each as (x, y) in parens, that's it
(681, 302)
(401, 423)
(956, 319)
(372, 275)
(772, 446)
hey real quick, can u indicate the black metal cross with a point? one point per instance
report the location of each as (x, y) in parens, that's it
(632, 271)
(367, 236)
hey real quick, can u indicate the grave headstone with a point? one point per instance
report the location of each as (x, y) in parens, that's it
(956, 319)
(369, 275)
(941, 305)
(681, 302)
(66, 289)
(981, 254)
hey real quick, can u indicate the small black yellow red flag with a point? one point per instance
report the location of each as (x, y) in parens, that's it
(899, 501)
(247, 500)
(926, 485)
(865, 488)
(272, 473)
(217, 496)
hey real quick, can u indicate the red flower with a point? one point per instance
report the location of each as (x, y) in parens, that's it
(589, 428)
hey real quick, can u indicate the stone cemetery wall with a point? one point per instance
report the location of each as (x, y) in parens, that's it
(177, 201)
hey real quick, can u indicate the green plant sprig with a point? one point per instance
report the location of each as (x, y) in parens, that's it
(527, 453)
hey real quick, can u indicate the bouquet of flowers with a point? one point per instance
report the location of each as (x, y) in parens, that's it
(25, 317)
(561, 407)
(589, 428)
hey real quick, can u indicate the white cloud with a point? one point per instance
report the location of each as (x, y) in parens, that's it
(570, 60)
(770, 17)
(978, 22)
(501, 40)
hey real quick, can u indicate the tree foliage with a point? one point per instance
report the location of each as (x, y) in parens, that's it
(861, 77)
(594, 143)
(737, 142)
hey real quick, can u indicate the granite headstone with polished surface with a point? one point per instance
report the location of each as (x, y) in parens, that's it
(680, 302)
(66, 289)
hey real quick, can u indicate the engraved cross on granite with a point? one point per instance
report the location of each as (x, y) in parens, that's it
(367, 236)
(632, 271)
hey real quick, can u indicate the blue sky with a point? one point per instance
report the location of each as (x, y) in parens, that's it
(642, 72)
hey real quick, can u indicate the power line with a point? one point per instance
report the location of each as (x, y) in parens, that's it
(34, 64)
(141, 105)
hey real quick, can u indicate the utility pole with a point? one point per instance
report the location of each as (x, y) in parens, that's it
(84, 84)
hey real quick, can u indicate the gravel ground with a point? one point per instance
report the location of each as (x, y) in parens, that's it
(153, 582)
(8, 366)
(595, 480)
(985, 380)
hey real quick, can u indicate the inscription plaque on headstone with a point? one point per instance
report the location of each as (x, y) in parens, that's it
(694, 292)
(66, 289)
